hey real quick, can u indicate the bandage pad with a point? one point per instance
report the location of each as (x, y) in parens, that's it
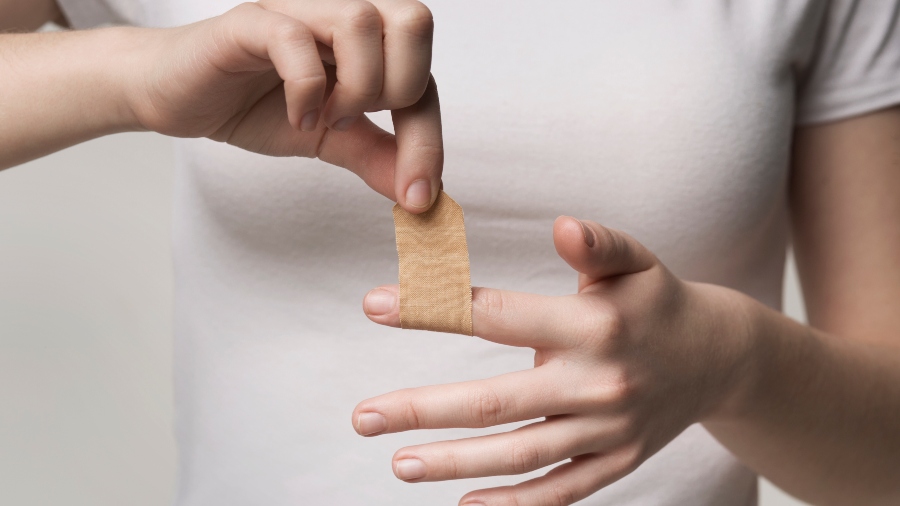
(435, 286)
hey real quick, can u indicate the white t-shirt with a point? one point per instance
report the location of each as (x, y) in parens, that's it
(669, 120)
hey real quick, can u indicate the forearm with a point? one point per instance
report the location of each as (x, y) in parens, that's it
(820, 416)
(60, 89)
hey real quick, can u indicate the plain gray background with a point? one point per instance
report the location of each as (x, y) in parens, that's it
(85, 327)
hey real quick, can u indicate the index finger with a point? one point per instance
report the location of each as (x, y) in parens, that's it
(511, 397)
(501, 316)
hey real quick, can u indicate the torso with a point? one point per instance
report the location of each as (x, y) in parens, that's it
(671, 121)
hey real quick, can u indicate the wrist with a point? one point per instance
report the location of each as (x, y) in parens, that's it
(86, 77)
(736, 353)
(63, 88)
(118, 75)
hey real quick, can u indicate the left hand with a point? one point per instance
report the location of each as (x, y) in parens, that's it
(620, 369)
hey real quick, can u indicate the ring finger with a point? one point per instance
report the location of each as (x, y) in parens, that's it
(357, 44)
(562, 485)
(353, 29)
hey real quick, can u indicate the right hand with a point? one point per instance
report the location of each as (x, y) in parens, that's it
(254, 77)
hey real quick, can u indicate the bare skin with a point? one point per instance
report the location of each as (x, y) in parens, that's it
(621, 367)
(637, 355)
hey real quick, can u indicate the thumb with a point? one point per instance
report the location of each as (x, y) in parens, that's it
(598, 252)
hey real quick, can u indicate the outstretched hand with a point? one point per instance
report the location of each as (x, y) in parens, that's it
(620, 369)
(294, 78)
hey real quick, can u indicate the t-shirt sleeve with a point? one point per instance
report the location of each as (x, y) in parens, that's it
(855, 66)
(91, 13)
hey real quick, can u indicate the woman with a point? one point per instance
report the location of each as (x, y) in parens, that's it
(708, 131)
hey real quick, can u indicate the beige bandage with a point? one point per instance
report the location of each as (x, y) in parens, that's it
(435, 288)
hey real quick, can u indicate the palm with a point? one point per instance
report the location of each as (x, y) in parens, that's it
(245, 108)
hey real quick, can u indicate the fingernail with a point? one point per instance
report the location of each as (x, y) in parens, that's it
(410, 469)
(379, 302)
(476, 503)
(343, 123)
(310, 120)
(588, 234)
(370, 423)
(419, 193)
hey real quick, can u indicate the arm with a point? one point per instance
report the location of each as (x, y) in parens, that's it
(638, 355)
(16, 15)
(278, 77)
(823, 418)
(59, 89)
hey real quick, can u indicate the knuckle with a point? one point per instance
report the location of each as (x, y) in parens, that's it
(363, 92)
(613, 245)
(396, 97)
(429, 155)
(410, 411)
(559, 495)
(309, 81)
(610, 320)
(415, 20)
(235, 18)
(614, 389)
(485, 407)
(489, 303)
(453, 466)
(620, 387)
(524, 456)
(625, 428)
(601, 323)
(629, 458)
(361, 17)
(288, 30)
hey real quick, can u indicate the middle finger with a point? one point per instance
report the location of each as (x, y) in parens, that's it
(511, 397)
(408, 33)
(353, 29)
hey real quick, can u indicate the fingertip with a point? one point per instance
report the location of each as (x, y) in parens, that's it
(410, 470)
(381, 305)
(564, 223)
(571, 235)
(303, 100)
(419, 196)
(344, 124)
(310, 121)
(368, 423)
(598, 251)
(472, 499)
